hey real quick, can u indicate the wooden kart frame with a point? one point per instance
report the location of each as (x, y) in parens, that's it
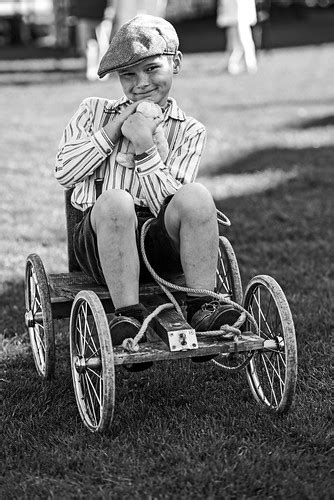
(267, 351)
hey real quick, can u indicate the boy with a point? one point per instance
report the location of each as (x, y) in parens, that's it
(184, 234)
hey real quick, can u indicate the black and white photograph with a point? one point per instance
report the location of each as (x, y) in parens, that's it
(166, 249)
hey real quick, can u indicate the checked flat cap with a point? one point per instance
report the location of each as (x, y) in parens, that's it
(142, 37)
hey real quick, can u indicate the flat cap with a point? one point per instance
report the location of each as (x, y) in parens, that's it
(142, 37)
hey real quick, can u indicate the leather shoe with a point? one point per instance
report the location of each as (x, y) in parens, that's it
(124, 327)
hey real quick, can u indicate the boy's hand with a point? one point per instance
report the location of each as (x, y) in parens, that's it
(113, 128)
(139, 131)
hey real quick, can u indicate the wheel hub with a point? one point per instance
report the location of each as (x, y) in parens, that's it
(80, 364)
(29, 319)
(280, 343)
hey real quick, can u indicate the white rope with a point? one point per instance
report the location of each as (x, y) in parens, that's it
(226, 331)
(131, 344)
(223, 219)
(198, 291)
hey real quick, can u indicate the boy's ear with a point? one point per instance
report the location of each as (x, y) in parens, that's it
(177, 60)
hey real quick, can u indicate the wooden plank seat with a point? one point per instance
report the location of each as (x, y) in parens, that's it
(67, 285)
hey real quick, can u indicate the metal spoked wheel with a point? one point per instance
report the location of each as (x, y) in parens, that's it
(92, 361)
(272, 372)
(38, 317)
(228, 281)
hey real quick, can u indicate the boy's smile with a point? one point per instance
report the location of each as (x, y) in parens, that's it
(150, 79)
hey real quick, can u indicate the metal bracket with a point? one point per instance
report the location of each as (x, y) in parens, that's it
(173, 329)
(182, 340)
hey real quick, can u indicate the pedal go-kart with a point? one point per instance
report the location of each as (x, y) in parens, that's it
(263, 343)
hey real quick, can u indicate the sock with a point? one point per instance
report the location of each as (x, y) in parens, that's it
(194, 303)
(134, 311)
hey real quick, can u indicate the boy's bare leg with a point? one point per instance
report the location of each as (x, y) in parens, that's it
(191, 222)
(114, 222)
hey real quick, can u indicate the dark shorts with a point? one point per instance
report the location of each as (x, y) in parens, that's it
(160, 249)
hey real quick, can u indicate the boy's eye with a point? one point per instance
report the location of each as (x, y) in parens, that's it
(152, 68)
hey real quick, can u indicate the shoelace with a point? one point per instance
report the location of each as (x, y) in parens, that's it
(210, 306)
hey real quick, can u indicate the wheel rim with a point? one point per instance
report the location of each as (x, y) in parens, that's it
(38, 317)
(272, 371)
(92, 362)
(228, 279)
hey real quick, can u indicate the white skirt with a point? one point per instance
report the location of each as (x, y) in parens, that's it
(230, 12)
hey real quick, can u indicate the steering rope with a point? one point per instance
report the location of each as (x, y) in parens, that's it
(226, 331)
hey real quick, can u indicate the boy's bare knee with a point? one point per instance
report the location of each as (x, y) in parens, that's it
(114, 208)
(195, 201)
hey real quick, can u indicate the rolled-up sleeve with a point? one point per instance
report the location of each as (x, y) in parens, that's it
(159, 180)
(81, 149)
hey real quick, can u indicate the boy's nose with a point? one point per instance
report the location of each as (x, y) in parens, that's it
(142, 80)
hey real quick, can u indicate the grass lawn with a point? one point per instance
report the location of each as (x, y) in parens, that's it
(181, 430)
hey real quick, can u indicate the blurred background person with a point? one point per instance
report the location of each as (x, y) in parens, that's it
(237, 17)
(261, 31)
(127, 9)
(93, 30)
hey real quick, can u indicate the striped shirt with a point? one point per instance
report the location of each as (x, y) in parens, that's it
(86, 153)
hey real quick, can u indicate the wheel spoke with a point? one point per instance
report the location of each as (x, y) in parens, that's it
(86, 338)
(95, 350)
(272, 392)
(93, 388)
(39, 305)
(278, 354)
(267, 315)
(78, 329)
(84, 311)
(281, 383)
(38, 337)
(273, 367)
(97, 375)
(90, 397)
(261, 315)
(223, 277)
(260, 330)
(89, 410)
(89, 405)
(40, 346)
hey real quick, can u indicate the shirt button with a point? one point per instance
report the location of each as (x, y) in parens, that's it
(108, 150)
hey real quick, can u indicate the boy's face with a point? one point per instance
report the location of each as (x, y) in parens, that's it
(151, 79)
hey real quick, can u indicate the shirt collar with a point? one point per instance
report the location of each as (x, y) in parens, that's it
(172, 110)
